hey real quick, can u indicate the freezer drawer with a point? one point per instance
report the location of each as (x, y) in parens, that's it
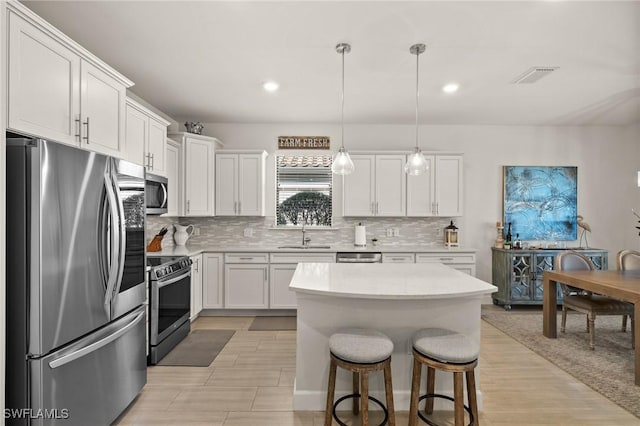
(94, 379)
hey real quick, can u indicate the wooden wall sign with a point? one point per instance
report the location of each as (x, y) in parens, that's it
(303, 142)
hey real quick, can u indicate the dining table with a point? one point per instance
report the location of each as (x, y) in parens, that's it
(622, 285)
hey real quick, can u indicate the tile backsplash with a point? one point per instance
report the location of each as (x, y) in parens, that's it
(260, 231)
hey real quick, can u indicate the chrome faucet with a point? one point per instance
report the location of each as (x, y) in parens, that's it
(305, 241)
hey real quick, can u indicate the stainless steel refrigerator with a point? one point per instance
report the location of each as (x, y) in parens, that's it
(76, 352)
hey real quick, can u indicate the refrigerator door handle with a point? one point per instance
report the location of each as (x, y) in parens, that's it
(122, 229)
(115, 241)
(59, 362)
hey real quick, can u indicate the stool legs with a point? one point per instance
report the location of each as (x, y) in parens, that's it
(360, 383)
(388, 390)
(458, 395)
(471, 395)
(331, 389)
(431, 388)
(460, 372)
(415, 391)
(356, 389)
(364, 397)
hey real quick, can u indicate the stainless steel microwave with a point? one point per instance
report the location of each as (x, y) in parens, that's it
(156, 191)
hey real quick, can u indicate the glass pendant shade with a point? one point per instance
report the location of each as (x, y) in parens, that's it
(342, 164)
(416, 163)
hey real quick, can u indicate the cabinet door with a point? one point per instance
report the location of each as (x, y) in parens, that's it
(198, 175)
(523, 283)
(449, 185)
(43, 83)
(280, 296)
(226, 184)
(135, 135)
(212, 283)
(358, 188)
(156, 146)
(398, 258)
(103, 102)
(391, 185)
(250, 185)
(196, 286)
(173, 176)
(245, 286)
(421, 191)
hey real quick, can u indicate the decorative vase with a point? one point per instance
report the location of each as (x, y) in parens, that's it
(182, 234)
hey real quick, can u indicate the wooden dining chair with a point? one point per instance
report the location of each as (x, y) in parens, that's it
(585, 301)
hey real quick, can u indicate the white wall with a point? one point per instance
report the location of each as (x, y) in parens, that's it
(607, 159)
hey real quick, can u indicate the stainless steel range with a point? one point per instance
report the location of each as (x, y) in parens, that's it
(169, 304)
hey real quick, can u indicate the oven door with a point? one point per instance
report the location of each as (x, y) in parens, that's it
(170, 302)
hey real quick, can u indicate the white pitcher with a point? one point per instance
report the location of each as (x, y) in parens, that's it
(182, 234)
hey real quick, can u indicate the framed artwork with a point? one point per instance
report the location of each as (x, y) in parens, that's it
(541, 202)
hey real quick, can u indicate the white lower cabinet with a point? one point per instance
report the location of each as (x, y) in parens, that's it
(281, 270)
(246, 281)
(212, 280)
(280, 297)
(196, 286)
(461, 261)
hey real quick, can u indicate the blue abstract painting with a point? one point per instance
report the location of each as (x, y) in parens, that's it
(541, 202)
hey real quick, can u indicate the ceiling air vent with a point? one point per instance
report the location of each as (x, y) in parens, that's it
(533, 74)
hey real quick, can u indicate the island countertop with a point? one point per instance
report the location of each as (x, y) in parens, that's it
(386, 281)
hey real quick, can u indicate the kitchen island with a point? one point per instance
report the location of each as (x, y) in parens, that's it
(396, 299)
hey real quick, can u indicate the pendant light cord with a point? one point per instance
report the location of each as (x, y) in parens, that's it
(342, 116)
(417, 93)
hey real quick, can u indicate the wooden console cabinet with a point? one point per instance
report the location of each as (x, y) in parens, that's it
(518, 273)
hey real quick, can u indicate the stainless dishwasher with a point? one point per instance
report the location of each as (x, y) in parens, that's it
(358, 257)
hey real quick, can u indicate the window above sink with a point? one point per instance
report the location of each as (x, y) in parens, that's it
(303, 191)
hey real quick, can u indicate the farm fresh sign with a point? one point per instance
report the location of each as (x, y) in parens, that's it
(303, 142)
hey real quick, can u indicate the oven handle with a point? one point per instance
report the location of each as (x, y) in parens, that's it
(173, 280)
(165, 196)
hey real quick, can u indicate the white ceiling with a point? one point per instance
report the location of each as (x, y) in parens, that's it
(206, 60)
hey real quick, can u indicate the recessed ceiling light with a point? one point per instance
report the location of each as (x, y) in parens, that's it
(450, 87)
(270, 86)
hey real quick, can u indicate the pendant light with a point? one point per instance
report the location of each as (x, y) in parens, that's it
(342, 164)
(416, 163)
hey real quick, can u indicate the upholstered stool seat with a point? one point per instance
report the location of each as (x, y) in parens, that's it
(360, 351)
(446, 350)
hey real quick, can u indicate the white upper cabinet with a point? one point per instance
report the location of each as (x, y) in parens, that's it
(173, 165)
(377, 187)
(57, 90)
(197, 174)
(145, 136)
(439, 192)
(240, 183)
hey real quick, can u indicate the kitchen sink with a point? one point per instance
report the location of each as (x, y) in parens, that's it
(304, 247)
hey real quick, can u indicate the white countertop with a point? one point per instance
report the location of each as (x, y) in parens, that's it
(387, 281)
(193, 250)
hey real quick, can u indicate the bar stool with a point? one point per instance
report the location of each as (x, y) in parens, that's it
(360, 351)
(444, 350)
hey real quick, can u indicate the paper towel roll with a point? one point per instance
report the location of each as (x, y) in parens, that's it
(361, 235)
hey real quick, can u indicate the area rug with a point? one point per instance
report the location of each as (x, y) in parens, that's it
(609, 369)
(198, 349)
(273, 323)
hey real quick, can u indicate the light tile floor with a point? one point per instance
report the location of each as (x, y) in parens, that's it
(250, 384)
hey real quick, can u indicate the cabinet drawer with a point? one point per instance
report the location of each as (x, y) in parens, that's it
(302, 257)
(398, 258)
(446, 257)
(246, 258)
